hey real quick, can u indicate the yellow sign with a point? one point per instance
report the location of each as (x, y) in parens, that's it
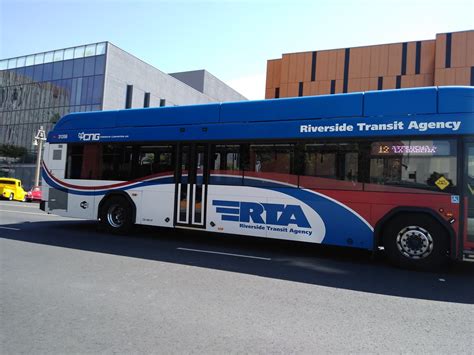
(442, 183)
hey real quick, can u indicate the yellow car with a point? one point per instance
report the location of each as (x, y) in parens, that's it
(11, 189)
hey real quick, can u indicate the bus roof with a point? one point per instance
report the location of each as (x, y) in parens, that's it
(402, 102)
(421, 111)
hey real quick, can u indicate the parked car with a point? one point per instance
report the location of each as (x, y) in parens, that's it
(34, 194)
(11, 189)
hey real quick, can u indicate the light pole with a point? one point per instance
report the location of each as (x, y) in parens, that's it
(40, 137)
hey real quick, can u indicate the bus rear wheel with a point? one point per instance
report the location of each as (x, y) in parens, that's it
(416, 241)
(10, 198)
(116, 215)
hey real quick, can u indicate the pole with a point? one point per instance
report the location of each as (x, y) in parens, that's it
(39, 139)
(38, 162)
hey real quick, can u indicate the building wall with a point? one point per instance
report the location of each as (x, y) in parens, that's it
(36, 90)
(124, 69)
(447, 60)
(209, 85)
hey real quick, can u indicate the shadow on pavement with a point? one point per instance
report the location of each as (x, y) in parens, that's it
(299, 262)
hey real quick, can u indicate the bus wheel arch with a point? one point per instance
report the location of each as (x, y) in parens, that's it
(117, 212)
(415, 238)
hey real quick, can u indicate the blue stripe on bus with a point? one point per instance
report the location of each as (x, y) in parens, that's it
(230, 218)
(228, 210)
(225, 203)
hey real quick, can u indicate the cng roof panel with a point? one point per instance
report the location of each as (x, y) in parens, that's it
(327, 106)
(421, 101)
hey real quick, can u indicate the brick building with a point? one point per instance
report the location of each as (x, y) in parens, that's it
(446, 60)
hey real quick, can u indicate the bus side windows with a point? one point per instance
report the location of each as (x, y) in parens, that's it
(226, 164)
(413, 164)
(154, 159)
(266, 162)
(119, 162)
(330, 166)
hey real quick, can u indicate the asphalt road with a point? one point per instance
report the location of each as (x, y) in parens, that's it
(65, 287)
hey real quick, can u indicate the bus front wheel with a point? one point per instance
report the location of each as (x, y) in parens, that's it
(416, 241)
(116, 215)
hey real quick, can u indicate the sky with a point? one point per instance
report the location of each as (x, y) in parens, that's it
(231, 39)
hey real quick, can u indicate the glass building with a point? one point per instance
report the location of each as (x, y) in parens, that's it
(37, 90)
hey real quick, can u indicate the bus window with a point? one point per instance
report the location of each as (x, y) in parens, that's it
(266, 162)
(330, 166)
(413, 164)
(79, 168)
(155, 159)
(116, 162)
(225, 165)
(99, 162)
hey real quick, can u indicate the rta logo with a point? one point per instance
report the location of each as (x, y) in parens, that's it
(261, 213)
(88, 136)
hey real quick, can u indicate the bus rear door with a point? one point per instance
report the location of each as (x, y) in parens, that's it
(191, 185)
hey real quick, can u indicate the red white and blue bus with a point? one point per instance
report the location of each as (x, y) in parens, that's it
(391, 169)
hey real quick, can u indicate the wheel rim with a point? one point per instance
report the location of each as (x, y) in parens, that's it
(415, 242)
(116, 216)
(11, 197)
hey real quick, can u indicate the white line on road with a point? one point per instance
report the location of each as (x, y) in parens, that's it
(39, 214)
(217, 252)
(10, 228)
(20, 204)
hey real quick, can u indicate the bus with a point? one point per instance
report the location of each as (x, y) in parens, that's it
(391, 170)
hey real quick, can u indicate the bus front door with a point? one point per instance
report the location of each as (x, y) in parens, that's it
(469, 189)
(191, 185)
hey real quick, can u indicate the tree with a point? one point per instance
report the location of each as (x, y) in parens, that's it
(12, 151)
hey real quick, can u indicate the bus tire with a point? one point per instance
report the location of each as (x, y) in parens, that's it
(416, 241)
(10, 198)
(116, 215)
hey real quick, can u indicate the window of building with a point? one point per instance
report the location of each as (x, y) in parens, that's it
(89, 64)
(90, 50)
(48, 72)
(78, 68)
(129, 96)
(69, 53)
(39, 58)
(99, 65)
(38, 73)
(58, 70)
(30, 60)
(79, 52)
(98, 89)
(67, 69)
(100, 48)
(48, 57)
(146, 100)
